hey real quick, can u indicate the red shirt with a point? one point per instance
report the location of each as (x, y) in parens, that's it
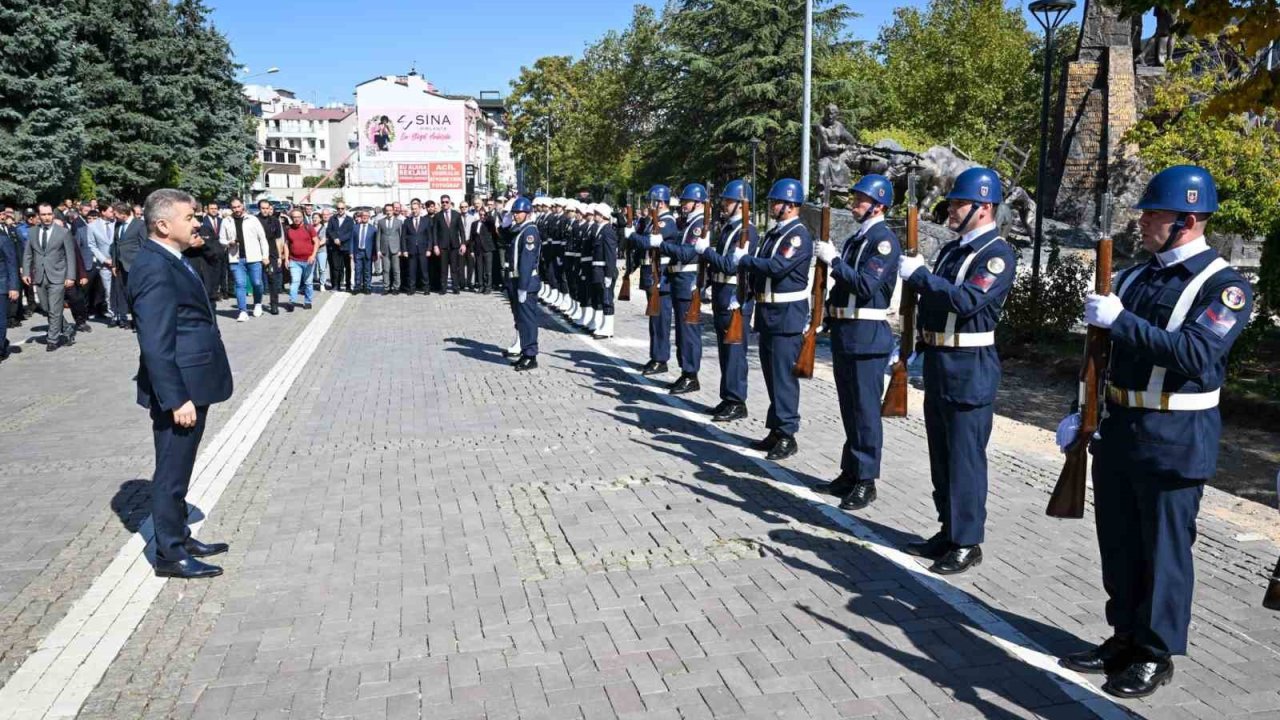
(301, 241)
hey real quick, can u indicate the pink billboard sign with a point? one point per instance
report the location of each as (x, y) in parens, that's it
(417, 130)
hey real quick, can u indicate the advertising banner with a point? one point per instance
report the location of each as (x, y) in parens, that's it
(427, 129)
(431, 175)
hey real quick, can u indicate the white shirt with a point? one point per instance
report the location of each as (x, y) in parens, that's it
(171, 251)
(1182, 253)
(976, 233)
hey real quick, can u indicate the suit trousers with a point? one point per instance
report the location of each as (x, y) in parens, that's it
(390, 272)
(450, 266)
(340, 262)
(4, 324)
(859, 388)
(51, 297)
(1146, 526)
(958, 436)
(484, 270)
(363, 270)
(105, 280)
(121, 306)
(275, 281)
(416, 272)
(78, 297)
(176, 449)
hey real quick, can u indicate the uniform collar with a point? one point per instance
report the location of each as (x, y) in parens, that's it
(785, 224)
(1182, 253)
(976, 233)
(695, 216)
(870, 223)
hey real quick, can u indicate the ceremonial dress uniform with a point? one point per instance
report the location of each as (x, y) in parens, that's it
(863, 275)
(523, 284)
(724, 299)
(604, 271)
(660, 324)
(683, 272)
(960, 304)
(1173, 321)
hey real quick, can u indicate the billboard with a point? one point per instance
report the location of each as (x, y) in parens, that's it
(430, 175)
(401, 131)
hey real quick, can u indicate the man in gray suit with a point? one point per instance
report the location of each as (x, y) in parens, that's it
(101, 237)
(49, 265)
(389, 232)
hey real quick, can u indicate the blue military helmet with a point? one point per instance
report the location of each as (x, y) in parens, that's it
(978, 185)
(1182, 189)
(660, 193)
(694, 192)
(787, 190)
(876, 187)
(737, 190)
(521, 204)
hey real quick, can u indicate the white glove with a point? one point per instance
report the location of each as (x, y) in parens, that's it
(655, 241)
(909, 265)
(739, 253)
(701, 245)
(628, 232)
(1102, 310)
(826, 251)
(608, 282)
(1068, 429)
(522, 295)
(733, 305)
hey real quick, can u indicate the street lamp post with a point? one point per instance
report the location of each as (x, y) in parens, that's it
(547, 166)
(268, 71)
(1050, 14)
(755, 143)
(808, 85)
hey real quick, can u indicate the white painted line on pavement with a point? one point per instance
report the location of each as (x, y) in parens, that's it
(1072, 684)
(55, 680)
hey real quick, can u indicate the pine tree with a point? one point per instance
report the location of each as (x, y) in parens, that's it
(40, 129)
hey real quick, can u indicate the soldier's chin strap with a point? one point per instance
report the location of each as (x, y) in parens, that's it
(973, 208)
(778, 216)
(1178, 226)
(867, 214)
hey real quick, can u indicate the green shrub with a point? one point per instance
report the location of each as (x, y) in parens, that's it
(1063, 286)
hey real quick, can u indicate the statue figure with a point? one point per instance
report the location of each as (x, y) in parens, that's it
(835, 151)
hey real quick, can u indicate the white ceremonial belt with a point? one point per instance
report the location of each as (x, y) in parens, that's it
(598, 263)
(1163, 400)
(786, 297)
(685, 268)
(571, 254)
(724, 278)
(857, 313)
(958, 340)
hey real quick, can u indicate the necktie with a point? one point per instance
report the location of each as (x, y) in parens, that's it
(44, 238)
(187, 265)
(362, 227)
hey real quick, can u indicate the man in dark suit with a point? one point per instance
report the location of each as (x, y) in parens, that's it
(49, 266)
(483, 243)
(341, 231)
(182, 370)
(450, 244)
(209, 258)
(132, 232)
(416, 245)
(8, 286)
(364, 251)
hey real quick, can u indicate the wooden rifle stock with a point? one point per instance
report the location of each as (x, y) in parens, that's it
(694, 315)
(654, 308)
(895, 397)
(1067, 500)
(624, 292)
(809, 345)
(1271, 600)
(735, 334)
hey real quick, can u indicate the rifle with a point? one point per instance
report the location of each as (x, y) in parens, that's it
(895, 397)
(809, 345)
(734, 334)
(655, 269)
(694, 315)
(624, 293)
(1272, 599)
(1067, 500)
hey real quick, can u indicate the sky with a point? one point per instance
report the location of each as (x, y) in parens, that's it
(325, 47)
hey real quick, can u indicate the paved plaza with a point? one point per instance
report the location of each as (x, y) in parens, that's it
(419, 532)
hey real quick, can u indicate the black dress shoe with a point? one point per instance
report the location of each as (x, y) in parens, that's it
(731, 412)
(838, 487)
(719, 408)
(50, 347)
(83, 327)
(289, 307)
(1140, 679)
(67, 341)
(187, 569)
(654, 368)
(860, 496)
(1111, 656)
(306, 306)
(785, 448)
(933, 548)
(526, 362)
(957, 560)
(686, 384)
(195, 548)
(273, 310)
(768, 442)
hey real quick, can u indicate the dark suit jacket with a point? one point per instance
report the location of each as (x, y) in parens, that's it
(8, 264)
(482, 236)
(130, 242)
(181, 354)
(449, 235)
(370, 240)
(417, 239)
(341, 229)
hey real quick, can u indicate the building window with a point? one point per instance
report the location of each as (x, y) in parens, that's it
(322, 144)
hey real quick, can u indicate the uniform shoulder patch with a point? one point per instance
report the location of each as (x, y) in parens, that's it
(884, 247)
(795, 241)
(995, 265)
(1233, 297)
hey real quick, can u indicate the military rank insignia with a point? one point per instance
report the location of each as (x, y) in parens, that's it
(995, 265)
(1233, 298)
(884, 247)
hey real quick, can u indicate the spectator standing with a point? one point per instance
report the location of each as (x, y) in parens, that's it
(321, 270)
(101, 237)
(300, 252)
(341, 230)
(132, 233)
(49, 265)
(8, 281)
(214, 255)
(483, 245)
(273, 226)
(390, 231)
(364, 250)
(414, 246)
(247, 252)
(450, 245)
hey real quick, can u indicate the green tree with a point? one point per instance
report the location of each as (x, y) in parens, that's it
(40, 128)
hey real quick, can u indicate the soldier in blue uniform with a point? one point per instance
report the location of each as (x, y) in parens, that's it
(546, 221)
(523, 282)
(864, 273)
(1173, 321)
(960, 304)
(604, 271)
(683, 274)
(724, 299)
(780, 284)
(590, 229)
(652, 238)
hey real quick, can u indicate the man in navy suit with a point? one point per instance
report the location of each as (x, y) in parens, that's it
(8, 287)
(341, 230)
(182, 370)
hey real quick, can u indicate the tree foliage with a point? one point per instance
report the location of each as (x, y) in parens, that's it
(128, 95)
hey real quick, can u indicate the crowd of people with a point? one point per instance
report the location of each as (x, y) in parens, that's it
(76, 256)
